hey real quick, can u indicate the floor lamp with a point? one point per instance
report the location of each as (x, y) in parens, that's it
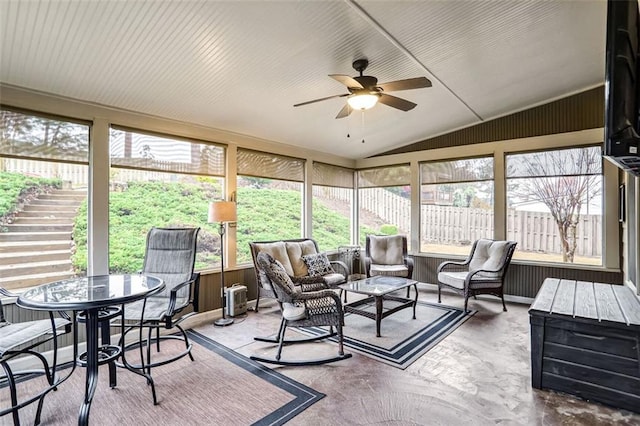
(221, 212)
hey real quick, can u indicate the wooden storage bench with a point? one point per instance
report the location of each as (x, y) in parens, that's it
(585, 341)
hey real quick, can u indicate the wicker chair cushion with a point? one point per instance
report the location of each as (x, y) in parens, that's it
(489, 255)
(317, 264)
(277, 250)
(389, 270)
(386, 250)
(291, 312)
(333, 279)
(295, 251)
(453, 279)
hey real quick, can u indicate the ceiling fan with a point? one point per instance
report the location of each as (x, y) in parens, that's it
(365, 92)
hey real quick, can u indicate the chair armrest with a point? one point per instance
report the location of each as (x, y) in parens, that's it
(472, 274)
(408, 261)
(173, 294)
(341, 265)
(367, 266)
(308, 284)
(318, 294)
(306, 280)
(7, 293)
(453, 264)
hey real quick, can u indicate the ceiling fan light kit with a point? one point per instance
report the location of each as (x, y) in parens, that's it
(362, 101)
(365, 92)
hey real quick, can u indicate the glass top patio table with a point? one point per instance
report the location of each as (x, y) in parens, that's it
(378, 285)
(91, 295)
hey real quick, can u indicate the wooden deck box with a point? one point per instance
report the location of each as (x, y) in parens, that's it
(585, 341)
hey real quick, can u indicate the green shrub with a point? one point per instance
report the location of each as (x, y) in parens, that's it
(15, 186)
(388, 229)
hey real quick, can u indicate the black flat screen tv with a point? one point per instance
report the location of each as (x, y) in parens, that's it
(622, 88)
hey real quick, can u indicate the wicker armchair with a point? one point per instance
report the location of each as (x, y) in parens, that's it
(388, 255)
(482, 272)
(21, 339)
(301, 309)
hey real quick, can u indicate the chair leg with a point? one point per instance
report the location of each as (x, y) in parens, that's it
(12, 389)
(283, 328)
(149, 343)
(504, 307)
(257, 299)
(439, 290)
(186, 341)
(340, 339)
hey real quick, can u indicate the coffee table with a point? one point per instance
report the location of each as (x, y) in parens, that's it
(378, 290)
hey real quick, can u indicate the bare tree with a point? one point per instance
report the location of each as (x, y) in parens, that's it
(565, 181)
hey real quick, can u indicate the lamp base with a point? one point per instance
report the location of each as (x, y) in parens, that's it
(221, 322)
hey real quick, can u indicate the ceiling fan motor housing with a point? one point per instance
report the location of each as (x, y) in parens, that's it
(367, 82)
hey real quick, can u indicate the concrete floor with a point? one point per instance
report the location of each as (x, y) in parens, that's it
(478, 375)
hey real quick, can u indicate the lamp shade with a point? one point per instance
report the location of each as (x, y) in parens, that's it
(362, 101)
(222, 211)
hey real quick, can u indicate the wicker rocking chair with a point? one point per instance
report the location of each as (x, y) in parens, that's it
(301, 309)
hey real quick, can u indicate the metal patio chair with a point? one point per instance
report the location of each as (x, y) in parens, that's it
(18, 343)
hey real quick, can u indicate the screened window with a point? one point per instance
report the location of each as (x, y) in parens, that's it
(384, 196)
(456, 204)
(554, 205)
(332, 204)
(43, 198)
(161, 181)
(269, 199)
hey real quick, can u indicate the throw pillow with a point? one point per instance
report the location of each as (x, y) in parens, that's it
(317, 264)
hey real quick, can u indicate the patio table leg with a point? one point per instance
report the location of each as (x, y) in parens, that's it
(92, 365)
(378, 314)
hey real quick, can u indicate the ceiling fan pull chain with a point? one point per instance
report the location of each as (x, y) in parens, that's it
(362, 126)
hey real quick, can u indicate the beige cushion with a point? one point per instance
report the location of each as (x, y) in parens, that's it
(292, 312)
(386, 250)
(333, 280)
(278, 251)
(488, 255)
(295, 251)
(389, 270)
(453, 279)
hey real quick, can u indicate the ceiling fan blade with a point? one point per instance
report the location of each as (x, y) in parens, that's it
(347, 80)
(345, 111)
(321, 99)
(396, 102)
(410, 83)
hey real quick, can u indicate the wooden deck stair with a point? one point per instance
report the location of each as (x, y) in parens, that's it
(37, 247)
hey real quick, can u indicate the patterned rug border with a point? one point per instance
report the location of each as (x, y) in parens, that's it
(304, 395)
(414, 346)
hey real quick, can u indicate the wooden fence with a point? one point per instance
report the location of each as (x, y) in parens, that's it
(76, 174)
(534, 231)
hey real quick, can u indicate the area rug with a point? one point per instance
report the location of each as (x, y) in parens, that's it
(221, 387)
(403, 339)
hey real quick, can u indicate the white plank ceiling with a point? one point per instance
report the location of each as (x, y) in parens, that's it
(242, 65)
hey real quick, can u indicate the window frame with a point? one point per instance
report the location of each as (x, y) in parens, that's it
(602, 174)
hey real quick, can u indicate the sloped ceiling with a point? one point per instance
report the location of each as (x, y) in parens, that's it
(241, 66)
